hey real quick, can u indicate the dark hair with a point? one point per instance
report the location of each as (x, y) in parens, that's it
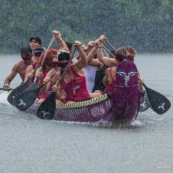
(131, 50)
(37, 39)
(49, 57)
(26, 53)
(63, 56)
(120, 54)
(69, 45)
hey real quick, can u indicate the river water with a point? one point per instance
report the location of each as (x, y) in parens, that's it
(29, 144)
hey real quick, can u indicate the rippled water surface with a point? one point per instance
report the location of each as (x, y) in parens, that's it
(28, 144)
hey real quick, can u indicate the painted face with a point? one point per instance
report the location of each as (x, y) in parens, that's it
(52, 64)
(63, 64)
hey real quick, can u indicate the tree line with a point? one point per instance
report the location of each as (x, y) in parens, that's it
(145, 25)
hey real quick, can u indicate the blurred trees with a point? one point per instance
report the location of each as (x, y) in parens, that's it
(146, 25)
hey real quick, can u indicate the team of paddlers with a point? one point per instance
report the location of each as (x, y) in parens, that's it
(84, 72)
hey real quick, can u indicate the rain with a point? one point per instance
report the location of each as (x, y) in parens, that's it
(32, 145)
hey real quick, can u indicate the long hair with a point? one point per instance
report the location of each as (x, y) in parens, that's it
(131, 50)
(49, 57)
(120, 54)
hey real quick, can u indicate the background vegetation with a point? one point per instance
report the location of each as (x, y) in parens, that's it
(146, 25)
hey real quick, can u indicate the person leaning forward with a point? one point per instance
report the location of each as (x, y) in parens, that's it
(19, 67)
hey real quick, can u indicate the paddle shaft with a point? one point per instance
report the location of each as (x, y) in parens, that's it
(108, 51)
(159, 103)
(48, 106)
(44, 57)
(110, 45)
(59, 68)
(62, 76)
(50, 44)
(7, 90)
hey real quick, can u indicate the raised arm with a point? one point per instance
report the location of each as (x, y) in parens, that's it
(82, 62)
(10, 77)
(91, 54)
(105, 60)
(60, 41)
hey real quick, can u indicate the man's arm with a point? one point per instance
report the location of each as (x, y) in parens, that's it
(10, 77)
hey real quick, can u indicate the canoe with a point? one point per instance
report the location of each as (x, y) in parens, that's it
(121, 105)
(100, 109)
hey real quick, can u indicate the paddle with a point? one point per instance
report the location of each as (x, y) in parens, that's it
(50, 44)
(33, 86)
(109, 51)
(159, 103)
(12, 96)
(110, 45)
(3, 89)
(26, 98)
(47, 108)
(145, 104)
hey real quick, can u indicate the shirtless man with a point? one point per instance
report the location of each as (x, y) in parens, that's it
(19, 67)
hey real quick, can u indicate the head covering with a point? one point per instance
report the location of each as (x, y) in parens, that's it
(38, 51)
(26, 53)
(63, 54)
(37, 39)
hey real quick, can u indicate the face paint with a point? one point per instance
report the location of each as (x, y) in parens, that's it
(63, 65)
(53, 64)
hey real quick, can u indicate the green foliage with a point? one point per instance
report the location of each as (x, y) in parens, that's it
(146, 25)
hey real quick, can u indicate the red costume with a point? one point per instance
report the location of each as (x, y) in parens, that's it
(76, 90)
(48, 61)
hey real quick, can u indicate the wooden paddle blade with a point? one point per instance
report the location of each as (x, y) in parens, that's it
(27, 97)
(11, 97)
(145, 103)
(159, 103)
(47, 108)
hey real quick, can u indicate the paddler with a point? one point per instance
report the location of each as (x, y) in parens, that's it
(73, 82)
(19, 67)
